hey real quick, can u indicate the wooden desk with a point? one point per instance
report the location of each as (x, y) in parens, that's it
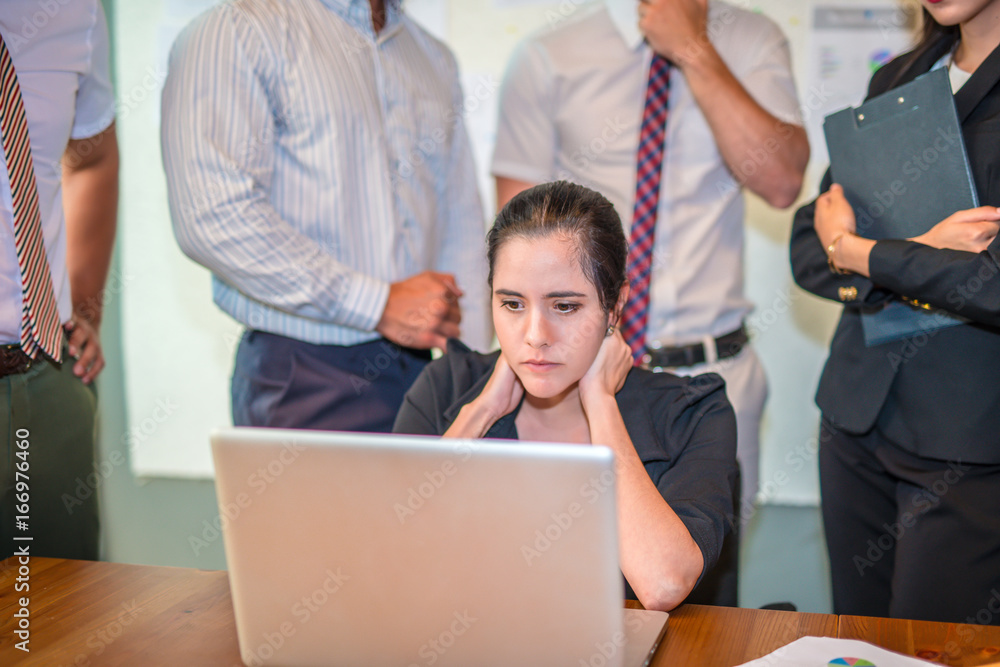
(725, 636)
(85, 613)
(89, 613)
(945, 643)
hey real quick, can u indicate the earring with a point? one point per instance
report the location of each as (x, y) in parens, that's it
(610, 332)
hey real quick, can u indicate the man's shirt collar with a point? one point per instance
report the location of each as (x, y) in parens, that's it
(625, 16)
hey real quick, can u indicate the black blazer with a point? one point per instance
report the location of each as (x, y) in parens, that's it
(938, 394)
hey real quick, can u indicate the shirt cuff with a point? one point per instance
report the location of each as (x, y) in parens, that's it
(703, 536)
(364, 302)
(88, 130)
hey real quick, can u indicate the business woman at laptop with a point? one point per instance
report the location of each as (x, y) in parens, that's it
(557, 255)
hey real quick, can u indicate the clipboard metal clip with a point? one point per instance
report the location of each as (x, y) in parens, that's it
(899, 100)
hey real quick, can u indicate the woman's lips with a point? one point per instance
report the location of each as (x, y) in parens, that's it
(540, 364)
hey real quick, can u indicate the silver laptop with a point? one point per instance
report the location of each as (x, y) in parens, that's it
(361, 550)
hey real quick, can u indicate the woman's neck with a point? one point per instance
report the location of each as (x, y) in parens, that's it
(979, 37)
(560, 418)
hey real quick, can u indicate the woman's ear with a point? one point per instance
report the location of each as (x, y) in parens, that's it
(614, 317)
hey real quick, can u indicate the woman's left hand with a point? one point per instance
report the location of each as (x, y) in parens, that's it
(834, 215)
(607, 373)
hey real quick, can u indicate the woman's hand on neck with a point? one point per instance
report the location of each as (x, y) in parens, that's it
(607, 374)
(500, 396)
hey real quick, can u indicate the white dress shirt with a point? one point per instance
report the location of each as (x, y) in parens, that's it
(312, 162)
(571, 108)
(60, 56)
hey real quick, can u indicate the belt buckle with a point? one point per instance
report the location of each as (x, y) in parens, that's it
(678, 357)
(682, 356)
(13, 361)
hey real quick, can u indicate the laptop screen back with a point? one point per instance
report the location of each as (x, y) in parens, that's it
(359, 549)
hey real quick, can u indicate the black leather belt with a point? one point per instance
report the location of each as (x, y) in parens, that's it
(726, 346)
(13, 360)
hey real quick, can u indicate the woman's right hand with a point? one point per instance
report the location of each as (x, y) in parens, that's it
(503, 391)
(971, 230)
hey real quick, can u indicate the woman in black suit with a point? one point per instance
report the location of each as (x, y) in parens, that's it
(910, 439)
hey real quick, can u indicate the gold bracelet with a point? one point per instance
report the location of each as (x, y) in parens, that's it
(830, 249)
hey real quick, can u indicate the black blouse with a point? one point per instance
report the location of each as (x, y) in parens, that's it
(683, 429)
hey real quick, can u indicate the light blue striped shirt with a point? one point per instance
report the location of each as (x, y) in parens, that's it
(310, 163)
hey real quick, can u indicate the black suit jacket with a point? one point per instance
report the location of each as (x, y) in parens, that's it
(938, 394)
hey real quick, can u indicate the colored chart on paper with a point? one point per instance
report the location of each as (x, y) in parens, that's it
(858, 662)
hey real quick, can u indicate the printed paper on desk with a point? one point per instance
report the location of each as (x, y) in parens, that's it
(829, 652)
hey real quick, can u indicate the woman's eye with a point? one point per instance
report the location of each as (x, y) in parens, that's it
(510, 305)
(567, 307)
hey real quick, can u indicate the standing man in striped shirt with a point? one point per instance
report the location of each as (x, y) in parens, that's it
(318, 164)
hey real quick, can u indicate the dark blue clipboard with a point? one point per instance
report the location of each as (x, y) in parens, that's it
(901, 160)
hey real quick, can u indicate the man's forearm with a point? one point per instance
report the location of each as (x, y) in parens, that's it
(90, 200)
(766, 155)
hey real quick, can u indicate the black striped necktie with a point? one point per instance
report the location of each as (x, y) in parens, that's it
(40, 328)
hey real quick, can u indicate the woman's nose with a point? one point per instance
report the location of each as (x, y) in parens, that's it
(537, 333)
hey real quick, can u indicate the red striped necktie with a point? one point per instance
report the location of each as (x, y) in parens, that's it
(652, 140)
(40, 328)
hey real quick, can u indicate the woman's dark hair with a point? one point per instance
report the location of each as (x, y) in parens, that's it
(577, 212)
(933, 31)
(933, 35)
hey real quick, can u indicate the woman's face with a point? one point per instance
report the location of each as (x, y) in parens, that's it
(963, 12)
(547, 314)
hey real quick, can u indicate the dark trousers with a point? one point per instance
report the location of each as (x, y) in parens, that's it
(47, 423)
(909, 537)
(281, 382)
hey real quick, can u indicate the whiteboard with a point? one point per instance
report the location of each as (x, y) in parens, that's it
(179, 348)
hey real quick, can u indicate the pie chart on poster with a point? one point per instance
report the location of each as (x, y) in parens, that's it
(858, 662)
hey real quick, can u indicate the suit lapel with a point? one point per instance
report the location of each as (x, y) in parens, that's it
(975, 89)
(923, 64)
